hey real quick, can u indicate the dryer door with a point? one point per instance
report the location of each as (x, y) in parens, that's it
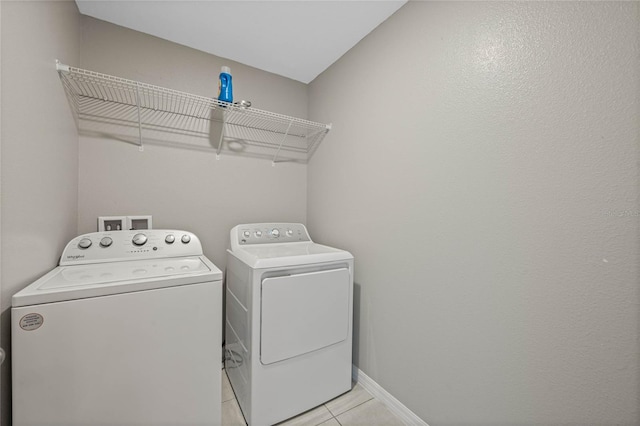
(304, 312)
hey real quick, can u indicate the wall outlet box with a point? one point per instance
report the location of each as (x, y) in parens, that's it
(112, 223)
(139, 222)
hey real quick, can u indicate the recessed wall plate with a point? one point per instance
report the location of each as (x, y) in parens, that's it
(112, 223)
(139, 222)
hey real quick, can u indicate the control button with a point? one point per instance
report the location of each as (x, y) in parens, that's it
(246, 234)
(275, 233)
(106, 242)
(289, 233)
(139, 239)
(169, 239)
(185, 239)
(84, 243)
(258, 234)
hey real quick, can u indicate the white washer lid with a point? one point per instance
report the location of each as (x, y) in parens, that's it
(93, 280)
(288, 254)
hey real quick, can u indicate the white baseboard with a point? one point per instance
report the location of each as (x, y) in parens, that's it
(407, 416)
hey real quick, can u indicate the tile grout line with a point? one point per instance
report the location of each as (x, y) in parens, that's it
(346, 411)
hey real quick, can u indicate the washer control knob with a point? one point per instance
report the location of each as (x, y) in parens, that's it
(275, 232)
(170, 239)
(106, 242)
(84, 243)
(139, 239)
(258, 234)
(185, 239)
(289, 233)
(246, 234)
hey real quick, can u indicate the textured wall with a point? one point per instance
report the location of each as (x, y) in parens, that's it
(39, 150)
(483, 169)
(182, 186)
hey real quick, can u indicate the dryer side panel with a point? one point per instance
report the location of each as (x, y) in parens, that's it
(238, 332)
(302, 313)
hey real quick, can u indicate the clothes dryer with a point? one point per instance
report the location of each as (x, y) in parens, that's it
(289, 309)
(124, 332)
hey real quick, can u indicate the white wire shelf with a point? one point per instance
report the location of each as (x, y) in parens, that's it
(138, 112)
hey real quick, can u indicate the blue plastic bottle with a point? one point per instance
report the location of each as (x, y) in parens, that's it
(225, 87)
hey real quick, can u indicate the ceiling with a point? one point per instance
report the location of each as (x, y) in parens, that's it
(297, 39)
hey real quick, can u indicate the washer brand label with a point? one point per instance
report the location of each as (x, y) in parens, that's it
(31, 322)
(76, 256)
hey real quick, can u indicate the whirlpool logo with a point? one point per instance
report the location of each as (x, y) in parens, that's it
(75, 257)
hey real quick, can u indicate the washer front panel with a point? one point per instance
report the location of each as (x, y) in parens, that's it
(142, 358)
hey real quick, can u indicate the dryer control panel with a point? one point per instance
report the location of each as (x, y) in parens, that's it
(269, 233)
(98, 247)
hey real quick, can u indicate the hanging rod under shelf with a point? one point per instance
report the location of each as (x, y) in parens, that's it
(115, 101)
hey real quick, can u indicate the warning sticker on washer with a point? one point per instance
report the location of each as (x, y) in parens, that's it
(31, 322)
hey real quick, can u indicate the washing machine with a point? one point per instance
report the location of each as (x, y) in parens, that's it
(289, 309)
(124, 332)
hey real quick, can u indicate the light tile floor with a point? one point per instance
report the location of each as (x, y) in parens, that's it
(356, 407)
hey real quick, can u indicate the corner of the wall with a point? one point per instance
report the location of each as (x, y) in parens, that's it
(407, 416)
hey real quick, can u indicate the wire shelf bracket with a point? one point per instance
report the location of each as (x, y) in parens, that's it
(139, 119)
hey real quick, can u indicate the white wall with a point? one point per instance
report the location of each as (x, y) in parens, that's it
(182, 187)
(483, 169)
(39, 150)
